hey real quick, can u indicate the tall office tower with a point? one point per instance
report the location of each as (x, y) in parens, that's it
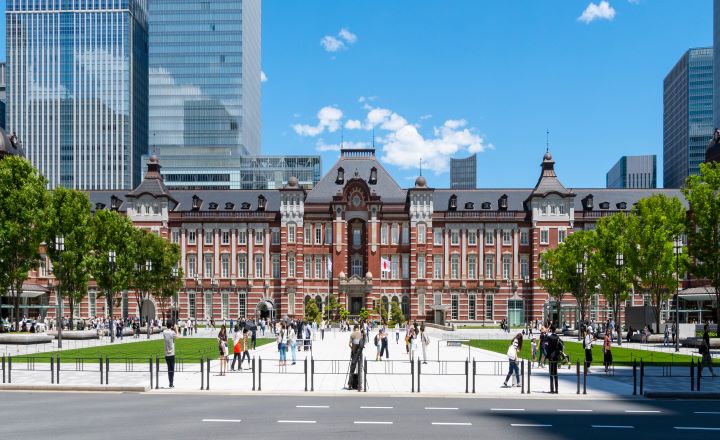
(77, 89)
(463, 173)
(687, 115)
(3, 96)
(716, 71)
(205, 77)
(633, 172)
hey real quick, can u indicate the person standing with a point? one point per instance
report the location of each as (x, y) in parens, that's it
(412, 343)
(554, 347)
(607, 353)
(378, 345)
(587, 345)
(170, 335)
(237, 348)
(397, 333)
(666, 336)
(292, 341)
(223, 349)
(425, 341)
(513, 353)
(245, 347)
(384, 345)
(253, 337)
(282, 345)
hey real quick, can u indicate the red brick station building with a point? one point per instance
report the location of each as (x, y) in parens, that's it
(456, 255)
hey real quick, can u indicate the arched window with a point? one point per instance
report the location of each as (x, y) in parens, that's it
(406, 307)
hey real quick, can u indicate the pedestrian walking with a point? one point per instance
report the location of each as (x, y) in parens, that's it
(425, 341)
(237, 342)
(223, 349)
(245, 349)
(412, 344)
(607, 353)
(397, 333)
(666, 336)
(282, 345)
(384, 345)
(533, 349)
(587, 345)
(378, 345)
(253, 337)
(554, 348)
(513, 353)
(170, 335)
(292, 341)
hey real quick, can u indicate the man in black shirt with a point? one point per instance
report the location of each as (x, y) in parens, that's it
(554, 348)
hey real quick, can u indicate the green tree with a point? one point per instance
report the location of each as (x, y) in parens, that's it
(608, 263)
(703, 226)
(169, 278)
(396, 313)
(146, 278)
(553, 286)
(573, 271)
(332, 307)
(382, 312)
(112, 232)
(343, 312)
(654, 223)
(22, 224)
(69, 217)
(312, 312)
(364, 315)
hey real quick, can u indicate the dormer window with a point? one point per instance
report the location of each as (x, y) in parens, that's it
(229, 206)
(261, 202)
(502, 203)
(587, 203)
(373, 176)
(340, 179)
(196, 203)
(99, 206)
(245, 206)
(605, 205)
(213, 206)
(621, 205)
(115, 203)
(486, 205)
(469, 205)
(452, 205)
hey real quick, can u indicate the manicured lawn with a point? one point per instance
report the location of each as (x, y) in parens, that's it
(574, 349)
(190, 349)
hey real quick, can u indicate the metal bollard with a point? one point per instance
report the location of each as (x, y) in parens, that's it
(306, 371)
(529, 374)
(522, 376)
(107, 370)
(412, 373)
(699, 374)
(259, 374)
(102, 380)
(207, 371)
(10, 369)
(692, 374)
(157, 372)
(474, 371)
(364, 372)
(312, 373)
(642, 375)
(202, 373)
(57, 372)
(3, 367)
(578, 378)
(585, 378)
(467, 373)
(419, 369)
(634, 377)
(150, 370)
(253, 372)
(52, 370)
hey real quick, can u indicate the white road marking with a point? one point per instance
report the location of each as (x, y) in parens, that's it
(638, 411)
(452, 423)
(707, 412)
(222, 420)
(297, 421)
(507, 409)
(377, 407)
(614, 426)
(312, 406)
(371, 423)
(695, 428)
(529, 425)
(437, 407)
(574, 410)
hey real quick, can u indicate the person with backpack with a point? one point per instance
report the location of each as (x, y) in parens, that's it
(513, 354)
(554, 348)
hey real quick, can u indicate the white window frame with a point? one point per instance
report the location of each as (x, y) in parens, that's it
(259, 236)
(307, 266)
(507, 266)
(242, 266)
(225, 266)
(259, 263)
(490, 266)
(242, 236)
(506, 237)
(192, 265)
(421, 266)
(421, 231)
(562, 235)
(224, 237)
(307, 234)
(291, 234)
(208, 264)
(454, 237)
(208, 236)
(191, 237)
(394, 233)
(437, 267)
(489, 237)
(276, 270)
(438, 236)
(291, 266)
(318, 234)
(275, 236)
(454, 266)
(524, 237)
(472, 238)
(472, 266)
(524, 266)
(404, 234)
(544, 236)
(384, 233)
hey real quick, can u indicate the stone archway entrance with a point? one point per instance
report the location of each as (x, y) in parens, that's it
(265, 309)
(147, 311)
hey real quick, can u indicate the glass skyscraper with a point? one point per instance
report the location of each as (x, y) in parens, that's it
(687, 115)
(463, 173)
(716, 54)
(205, 77)
(77, 89)
(633, 172)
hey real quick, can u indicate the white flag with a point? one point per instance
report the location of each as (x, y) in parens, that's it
(385, 265)
(329, 266)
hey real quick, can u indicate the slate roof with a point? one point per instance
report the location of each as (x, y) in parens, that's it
(105, 198)
(9, 146)
(548, 181)
(386, 187)
(516, 197)
(235, 196)
(152, 183)
(614, 196)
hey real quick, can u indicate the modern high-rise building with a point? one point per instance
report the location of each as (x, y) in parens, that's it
(463, 173)
(205, 76)
(77, 87)
(716, 71)
(3, 96)
(687, 115)
(633, 172)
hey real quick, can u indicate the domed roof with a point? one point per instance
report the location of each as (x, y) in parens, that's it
(420, 182)
(9, 145)
(293, 182)
(547, 156)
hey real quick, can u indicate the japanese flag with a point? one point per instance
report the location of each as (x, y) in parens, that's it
(329, 265)
(385, 265)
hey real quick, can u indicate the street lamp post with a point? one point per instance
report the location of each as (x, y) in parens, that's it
(111, 265)
(175, 314)
(677, 247)
(198, 289)
(59, 248)
(619, 262)
(580, 269)
(148, 268)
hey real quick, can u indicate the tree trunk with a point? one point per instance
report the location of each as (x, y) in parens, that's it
(110, 300)
(72, 311)
(616, 317)
(16, 305)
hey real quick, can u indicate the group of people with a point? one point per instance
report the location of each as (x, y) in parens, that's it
(415, 337)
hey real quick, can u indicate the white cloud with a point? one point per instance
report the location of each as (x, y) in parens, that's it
(322, 146)
(635, 2)
(263, 77)
(424, 117)
(328, 118)
(353, 124)
(343, 41)
(601, 11)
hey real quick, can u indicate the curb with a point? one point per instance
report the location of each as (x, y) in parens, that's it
(682, 395)
(91, 388)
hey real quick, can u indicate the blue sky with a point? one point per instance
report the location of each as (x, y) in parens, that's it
(448, 77)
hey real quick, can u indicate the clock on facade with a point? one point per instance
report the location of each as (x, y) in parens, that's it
(356, 200)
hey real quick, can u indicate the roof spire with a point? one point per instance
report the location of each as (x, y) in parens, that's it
(373, 137)
(421, 165)
(547, 140)
(342, 136)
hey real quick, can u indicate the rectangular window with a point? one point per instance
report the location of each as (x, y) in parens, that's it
(242, 236)
(191, 237)
(308, 266)
(276, 266)
(225, 266)
(421, 305)
(406, 266)
(394, 233)
(291, 233)
(225, 237)
(489, 308)
(421, 234)
(524, 267)
(507, 238)
(489, 237)
(421, 266)
(318, 267)
(437, 267)
(438, 236)
(506, 266)
(242, 305)
(208, 266)
(175, 237)
(357, 267)
(259, 266)
(384, 233)
(405, 237)
(471, 307)
(191, 266)
(291, 266)
(472, 238)
(454, 267)
(328, 233)
(275, 235)
(562, 235)
(259, 236)
(208, 309)
(394, 266)
(191, 304)
(455, 307)
(42, 270)
(208, 234)
(472, 267)
(318, 234)
(357, 235)
(490, 266)
(225, 298)
(561, 208)
(307, 234)
(92, 303)
(454, 237)
(437, 299)
(242, 266)
(544, 236)
(524, 238)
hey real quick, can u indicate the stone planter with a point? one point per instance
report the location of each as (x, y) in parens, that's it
(25, 339)
(75, 334)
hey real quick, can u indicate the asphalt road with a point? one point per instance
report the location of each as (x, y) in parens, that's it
(77, 416)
